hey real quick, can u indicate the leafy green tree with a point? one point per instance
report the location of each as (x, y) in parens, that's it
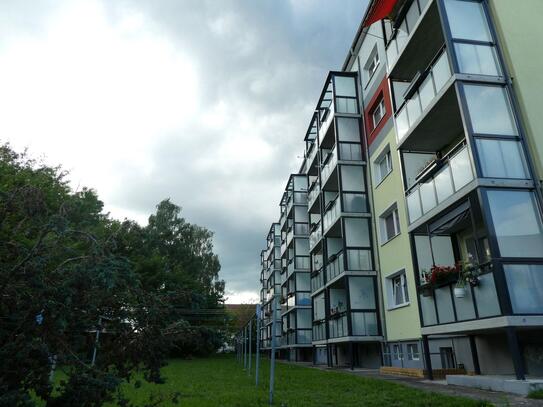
(68, 272)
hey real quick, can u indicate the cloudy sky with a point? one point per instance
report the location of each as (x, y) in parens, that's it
(205, 102)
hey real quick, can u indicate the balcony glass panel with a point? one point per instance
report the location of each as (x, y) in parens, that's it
(338, 327)
(428, 310)
(335, 267)
(359, 260)
(361, 292)
(426, 92)
(329, 166)
(477, 59)
(444, 304)
(517, 223)
(315, 236)
(490, 110)
(354, 202)
(346, 105)
(486, 296)
(461, 169)
(348, 129)
(443, 183)
(350, 152)
(525, 284)
(303, 299)
(467, 20)
(345, 86)
(301, 228)
(501, 159)
(302, 263)
(319, 332)
(413, 108)
(352, 178)
(464, 306)
(441, 72)
(412, 16)
(300, 197)
(304, 337)
(331, 214)
(364, 324)
(413, 206)
(317, 281)
(392, 53)
(428, 196)
(402, 123)
(402, 36)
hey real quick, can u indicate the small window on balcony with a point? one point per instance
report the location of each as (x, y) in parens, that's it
(371, 64)
(390, 224)
(378, 112)
(397, 352)
(383, 165)
(397, 290)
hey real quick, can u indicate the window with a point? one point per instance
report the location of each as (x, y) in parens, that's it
(517, 222)
(372, 64)
(397, 352)
(413, 351)
(390, 224)
(383, 166)
(501, 158)
(398, 294)
(378, 112)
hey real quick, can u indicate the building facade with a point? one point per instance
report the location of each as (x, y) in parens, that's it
(423, 163)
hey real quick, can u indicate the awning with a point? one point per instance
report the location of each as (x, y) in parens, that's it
(379, 10)
(445, 223)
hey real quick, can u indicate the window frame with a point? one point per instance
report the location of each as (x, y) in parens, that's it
(411, 354)
(391, 211)
(381, 107)
(374, 60)
(386, 155)
(400, 276)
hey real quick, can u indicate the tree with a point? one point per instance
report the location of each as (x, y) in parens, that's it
(67, 271)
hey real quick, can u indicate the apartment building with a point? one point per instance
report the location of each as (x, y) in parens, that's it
(270, 279)
(295, 279)
(424, 165)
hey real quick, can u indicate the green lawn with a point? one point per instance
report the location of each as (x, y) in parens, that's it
(221, 381)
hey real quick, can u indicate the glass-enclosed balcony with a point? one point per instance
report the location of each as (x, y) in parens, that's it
(421, 94)
(337, 326)
(332, 214)
(449, 176)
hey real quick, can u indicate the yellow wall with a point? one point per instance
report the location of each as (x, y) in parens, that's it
(401, 323)
(519, 27)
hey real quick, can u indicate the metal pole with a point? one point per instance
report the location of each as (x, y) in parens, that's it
(272, 363)
(250, 345)
(245, 347)
(257, 362)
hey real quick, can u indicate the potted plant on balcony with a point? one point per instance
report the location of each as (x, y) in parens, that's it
(460, 287)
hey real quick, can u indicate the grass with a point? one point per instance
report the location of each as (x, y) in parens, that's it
(536, 394)
(221, 381)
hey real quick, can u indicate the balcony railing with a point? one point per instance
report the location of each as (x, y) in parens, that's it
(335, 267)
(311, 153)
(329, 165)
(338, 327)
(319, 331)
(314, 190)
(317, 281)
(396, 46)
(325, 124)
(315, 235)
(332, 214)
(454, 175)
(290, 235)
(414, 107)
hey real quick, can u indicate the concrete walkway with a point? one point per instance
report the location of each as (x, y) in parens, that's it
(439, 386)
